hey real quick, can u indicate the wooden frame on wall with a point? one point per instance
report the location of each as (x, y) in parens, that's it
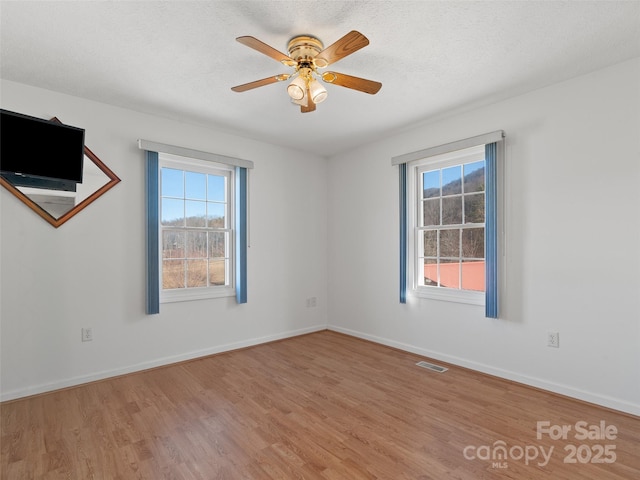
(113, 180)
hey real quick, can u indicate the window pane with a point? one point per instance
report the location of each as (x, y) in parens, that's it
(173, 274)
(216, 215)
(195, 186)
(217, 272)
(217, 244)
(452, 180)
(473, 275)
(196, 213)
(196, 244)
(216, 191)
(195, 207)
(450, 273)
(474, 177)
(449, 199)
(196, 273)
(430, 243)
(172, 212)
(172, 244)
(473, 242)
(431, 212)
(450, 243)
(172, 183)
(430, 272)
(431, 184)
(474, 208)
(452, 210)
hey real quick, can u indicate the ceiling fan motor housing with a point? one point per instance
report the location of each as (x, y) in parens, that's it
(304, 48)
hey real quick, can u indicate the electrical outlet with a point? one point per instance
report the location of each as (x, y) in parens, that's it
(553, 339)
(87, 334)
(312, 302)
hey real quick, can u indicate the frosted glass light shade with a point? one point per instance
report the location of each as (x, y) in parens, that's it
(297, 89)
(317, 91)
(303, 102)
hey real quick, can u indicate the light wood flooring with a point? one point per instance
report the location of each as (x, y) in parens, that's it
(318, 406)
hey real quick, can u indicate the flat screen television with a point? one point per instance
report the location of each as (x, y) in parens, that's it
(40, 153)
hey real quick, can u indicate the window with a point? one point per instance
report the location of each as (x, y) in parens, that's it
(449, 221)
(196, 219)
(196, 225)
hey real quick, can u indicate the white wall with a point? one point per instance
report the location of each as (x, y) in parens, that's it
(90, 272)
(572, 260)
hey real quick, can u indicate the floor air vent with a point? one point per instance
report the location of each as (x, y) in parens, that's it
(431, 366)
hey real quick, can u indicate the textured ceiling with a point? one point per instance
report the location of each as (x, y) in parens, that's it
(179, 59)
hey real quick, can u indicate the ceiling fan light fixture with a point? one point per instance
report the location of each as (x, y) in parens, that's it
(297, 89)
(306, 55)
(317, 91)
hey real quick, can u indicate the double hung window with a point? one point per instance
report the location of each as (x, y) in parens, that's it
(196, 225)
(449, 221)
(196, 231)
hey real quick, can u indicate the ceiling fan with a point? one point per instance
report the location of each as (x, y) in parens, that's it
(306, 56)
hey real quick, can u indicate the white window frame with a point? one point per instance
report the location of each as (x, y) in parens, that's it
(166, 160)
(414, 169)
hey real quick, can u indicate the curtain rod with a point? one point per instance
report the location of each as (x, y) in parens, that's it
(188, 152)
(491, 137)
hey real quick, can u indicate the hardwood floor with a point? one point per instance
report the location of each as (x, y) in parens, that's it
(319, 406)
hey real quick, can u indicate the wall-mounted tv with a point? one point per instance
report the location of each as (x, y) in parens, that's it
(37, 152)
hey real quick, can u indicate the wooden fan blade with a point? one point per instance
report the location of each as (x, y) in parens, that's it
(309, 108)
(351, 42)
(356, 83)
(262, 47)
(260, 83)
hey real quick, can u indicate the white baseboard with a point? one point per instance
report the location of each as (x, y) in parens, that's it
(160, 362)
(598, 399)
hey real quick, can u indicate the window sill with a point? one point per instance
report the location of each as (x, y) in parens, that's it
(449, 295)
(187, 295)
